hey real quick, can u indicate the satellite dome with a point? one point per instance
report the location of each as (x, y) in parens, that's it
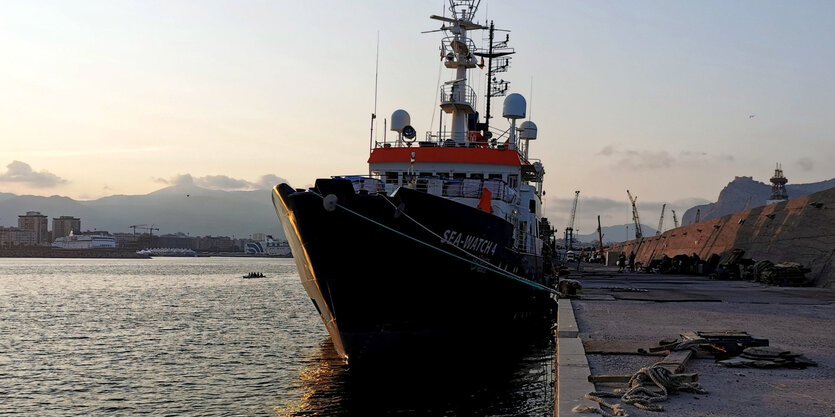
(527, 130)
(514, 107)
(399, 120)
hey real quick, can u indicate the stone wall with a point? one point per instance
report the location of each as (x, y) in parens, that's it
(799, 230)
(49, 252)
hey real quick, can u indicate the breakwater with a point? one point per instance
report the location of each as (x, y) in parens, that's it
(798, 230)
(47, 252)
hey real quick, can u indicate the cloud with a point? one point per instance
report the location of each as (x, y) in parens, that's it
(648, 159)
(182, 179)
(607, 150)
(269, 181)
(806, 164)
(223, 182)
(21, 172)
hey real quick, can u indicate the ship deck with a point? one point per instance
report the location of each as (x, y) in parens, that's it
(601, 331)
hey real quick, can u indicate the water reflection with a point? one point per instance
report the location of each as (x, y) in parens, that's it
(471, 386)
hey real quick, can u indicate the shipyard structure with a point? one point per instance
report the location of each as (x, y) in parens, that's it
(800, 230)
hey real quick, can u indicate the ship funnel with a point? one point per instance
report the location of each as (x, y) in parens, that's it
(399, 120)
(514, 107)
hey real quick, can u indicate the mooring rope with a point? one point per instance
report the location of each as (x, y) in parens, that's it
(640, 393)
(484, 265)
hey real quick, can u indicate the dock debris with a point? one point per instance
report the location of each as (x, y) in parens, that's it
(569, 287)
(652, 385)
(768, 357)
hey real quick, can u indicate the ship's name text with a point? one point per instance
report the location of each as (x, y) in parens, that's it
(469, 242)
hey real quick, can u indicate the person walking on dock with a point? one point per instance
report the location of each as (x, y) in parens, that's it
(621, 262)
(632, 261)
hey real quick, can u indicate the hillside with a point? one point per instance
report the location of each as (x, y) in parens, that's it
(744, 193)
(182, 208)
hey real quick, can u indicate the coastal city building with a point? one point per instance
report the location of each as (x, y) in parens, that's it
(64, 225)
(37, 223)
(15, 236)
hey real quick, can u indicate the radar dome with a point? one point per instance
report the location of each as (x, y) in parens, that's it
(399, 120)
(514, 107)
(527, 130)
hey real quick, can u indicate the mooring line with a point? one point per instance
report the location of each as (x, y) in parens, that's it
(487, 266)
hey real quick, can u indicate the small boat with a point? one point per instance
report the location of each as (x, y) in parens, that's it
(255, 275)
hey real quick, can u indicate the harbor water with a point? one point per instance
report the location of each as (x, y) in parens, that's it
(190, 336)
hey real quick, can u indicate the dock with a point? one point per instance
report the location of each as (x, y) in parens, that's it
(601, 330)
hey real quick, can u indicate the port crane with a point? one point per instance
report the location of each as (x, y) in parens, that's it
(599, 236)
(675, 219)
(661, 220)
(569, 230)
(136, 226)
(638, 233)
(150, 230)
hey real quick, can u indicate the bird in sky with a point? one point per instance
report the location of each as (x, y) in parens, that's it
(752, 116)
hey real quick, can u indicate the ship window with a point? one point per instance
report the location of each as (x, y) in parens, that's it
(477, 175)
(425, 174)
(391, 177)
(512, 181)
(494, 176)
(532, 206)
(459, 175)
(317, 306)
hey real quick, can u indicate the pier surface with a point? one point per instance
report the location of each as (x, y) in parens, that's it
(615, 314)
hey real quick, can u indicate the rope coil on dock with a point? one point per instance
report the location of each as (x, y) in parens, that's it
(644, 390)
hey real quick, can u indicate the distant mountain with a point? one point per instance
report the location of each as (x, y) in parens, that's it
(615, 233)
(744, 193)
(182, 208)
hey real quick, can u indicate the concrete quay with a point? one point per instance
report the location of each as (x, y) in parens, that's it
(615, 314)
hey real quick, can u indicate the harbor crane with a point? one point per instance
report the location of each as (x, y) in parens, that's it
(638, 233)
(599, 236)
(569, 230)
(675, 219)
(661, 220)
(136, 226)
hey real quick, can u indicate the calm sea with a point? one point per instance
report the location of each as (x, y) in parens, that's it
(189, 336)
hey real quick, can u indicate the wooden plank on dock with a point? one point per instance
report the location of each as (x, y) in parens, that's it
(675, 361)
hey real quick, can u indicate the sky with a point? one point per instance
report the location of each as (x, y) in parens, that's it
(669, 99)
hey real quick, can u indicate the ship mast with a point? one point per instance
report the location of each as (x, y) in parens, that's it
(500, 52)
(457, 50)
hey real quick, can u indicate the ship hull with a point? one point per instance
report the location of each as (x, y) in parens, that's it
(403, 274)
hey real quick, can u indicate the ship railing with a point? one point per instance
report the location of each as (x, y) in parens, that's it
(436, 185)
(466, 188)
(458, 94)
(455, 44)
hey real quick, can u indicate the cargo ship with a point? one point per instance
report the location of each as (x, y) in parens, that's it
(443, 241)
